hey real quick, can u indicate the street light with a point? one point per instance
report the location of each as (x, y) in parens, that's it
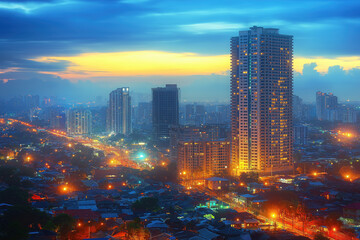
(273, 216)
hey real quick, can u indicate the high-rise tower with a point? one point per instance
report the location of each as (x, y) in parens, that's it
(165, 109)
(119, 111)
(261, 102)
(78, 121)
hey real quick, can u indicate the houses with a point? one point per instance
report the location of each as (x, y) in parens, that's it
(217, 183)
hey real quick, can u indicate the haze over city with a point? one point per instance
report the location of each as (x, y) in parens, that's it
(179, 120)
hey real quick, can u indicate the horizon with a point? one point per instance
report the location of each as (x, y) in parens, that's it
(53, 48)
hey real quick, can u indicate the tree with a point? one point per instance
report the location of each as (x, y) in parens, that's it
(135, 230)
(249, 177)
(332, 220)
(64, 224)
(18, 220)
(14, 196)
(146, 204)
(319, 236)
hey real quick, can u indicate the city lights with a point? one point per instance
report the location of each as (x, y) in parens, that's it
(212, 135)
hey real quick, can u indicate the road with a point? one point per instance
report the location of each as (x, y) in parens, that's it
(294, 227)
(120, 158)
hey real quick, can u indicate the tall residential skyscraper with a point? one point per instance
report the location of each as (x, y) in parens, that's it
(119, 111)
(261, 102)
(326, 105)
(165, 109)
(78, 121)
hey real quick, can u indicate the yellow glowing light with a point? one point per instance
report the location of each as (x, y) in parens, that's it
(315, 173)
(323, 64)
(334, 229)
(79, 224)
(69, 145)
(109, 186)
(137, 63)
(273, 215)
(347, 176)
(65, 188)
(184, 172)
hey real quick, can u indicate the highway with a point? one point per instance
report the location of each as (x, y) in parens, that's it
(120, 157)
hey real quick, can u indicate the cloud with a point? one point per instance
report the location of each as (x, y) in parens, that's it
(201, 28)
(343, 83)
(137, 63)
(322, 64)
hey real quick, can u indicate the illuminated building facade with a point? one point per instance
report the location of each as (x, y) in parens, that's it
(119, 111)
(261, 102)
(202, 159)
(165, 110)
(78, 121)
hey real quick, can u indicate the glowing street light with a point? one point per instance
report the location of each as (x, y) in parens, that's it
(273, 215)
(334, 229)
(109, 186)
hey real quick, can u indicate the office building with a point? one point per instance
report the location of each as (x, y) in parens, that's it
(165, 110)
(261, 102)
(78, 121)
(119, 111)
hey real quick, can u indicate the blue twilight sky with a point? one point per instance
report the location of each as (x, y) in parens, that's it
(82, 49)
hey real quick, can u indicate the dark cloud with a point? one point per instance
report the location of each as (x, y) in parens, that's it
(28, 65)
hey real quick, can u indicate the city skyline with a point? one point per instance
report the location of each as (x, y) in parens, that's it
(184, 45)
(179, 119)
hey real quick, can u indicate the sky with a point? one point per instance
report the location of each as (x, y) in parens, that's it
(80, 49)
